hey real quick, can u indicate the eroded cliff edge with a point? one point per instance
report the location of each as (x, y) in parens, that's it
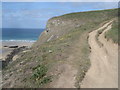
(60, 58)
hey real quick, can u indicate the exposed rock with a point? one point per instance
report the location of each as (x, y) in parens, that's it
(15, 57)
(50, 51)
(50, 38)
(10, 56)
(13, 46)
(5, 46)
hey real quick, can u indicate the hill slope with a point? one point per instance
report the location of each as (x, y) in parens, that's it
(60, 58)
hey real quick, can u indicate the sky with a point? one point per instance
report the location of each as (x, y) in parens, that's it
(36, 14)
(60, 0)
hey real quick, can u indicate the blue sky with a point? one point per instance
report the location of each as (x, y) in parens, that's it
(35, 15)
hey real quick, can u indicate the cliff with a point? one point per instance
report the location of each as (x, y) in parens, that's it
(58, 26)
(60, 54)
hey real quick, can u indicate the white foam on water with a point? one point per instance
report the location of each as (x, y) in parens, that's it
(18, 40)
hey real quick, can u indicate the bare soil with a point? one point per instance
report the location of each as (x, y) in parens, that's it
(103, 72)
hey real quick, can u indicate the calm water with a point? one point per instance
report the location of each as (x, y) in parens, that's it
(11, 34)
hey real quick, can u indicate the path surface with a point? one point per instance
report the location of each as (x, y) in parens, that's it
(103, 72)
(67, 78)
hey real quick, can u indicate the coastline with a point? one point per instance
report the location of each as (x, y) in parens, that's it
(4, 51)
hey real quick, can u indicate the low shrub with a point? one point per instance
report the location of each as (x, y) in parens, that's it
(39, 72)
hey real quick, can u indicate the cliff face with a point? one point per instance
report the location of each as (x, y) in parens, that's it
(61, 52)
(58, 26)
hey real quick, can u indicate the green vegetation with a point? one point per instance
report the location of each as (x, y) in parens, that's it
(45, 80)
(113, 33)
(39, 72)
(50, 57)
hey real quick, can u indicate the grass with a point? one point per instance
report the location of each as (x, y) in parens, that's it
(40, 64)
(39, 72)
(113, 33)
(46, 80)
(39, 75)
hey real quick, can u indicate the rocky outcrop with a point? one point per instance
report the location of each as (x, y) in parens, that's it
(12, 54)
(57, 27)
(13, 46)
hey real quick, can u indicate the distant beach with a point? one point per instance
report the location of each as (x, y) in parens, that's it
(6, 50)
(17, 37)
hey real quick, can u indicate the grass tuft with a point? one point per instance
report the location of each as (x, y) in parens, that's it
(39, 72)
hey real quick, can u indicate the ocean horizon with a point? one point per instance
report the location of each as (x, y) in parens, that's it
(20, 34)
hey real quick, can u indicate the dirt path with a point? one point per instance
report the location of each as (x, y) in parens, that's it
(103, 72)
(67, 78)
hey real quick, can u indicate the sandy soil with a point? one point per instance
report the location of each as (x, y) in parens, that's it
(67, 78)
(5, 50)
(103, 72)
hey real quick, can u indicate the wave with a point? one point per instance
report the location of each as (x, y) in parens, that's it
(18, 40)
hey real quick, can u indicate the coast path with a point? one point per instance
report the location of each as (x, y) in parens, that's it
(103, 72)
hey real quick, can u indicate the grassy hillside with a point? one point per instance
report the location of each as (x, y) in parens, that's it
(113, 33)
(61, 25)
(49, 57)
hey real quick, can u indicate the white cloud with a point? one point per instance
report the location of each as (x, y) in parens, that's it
(60, 0)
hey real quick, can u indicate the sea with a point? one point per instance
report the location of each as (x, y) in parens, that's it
(20, 34)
